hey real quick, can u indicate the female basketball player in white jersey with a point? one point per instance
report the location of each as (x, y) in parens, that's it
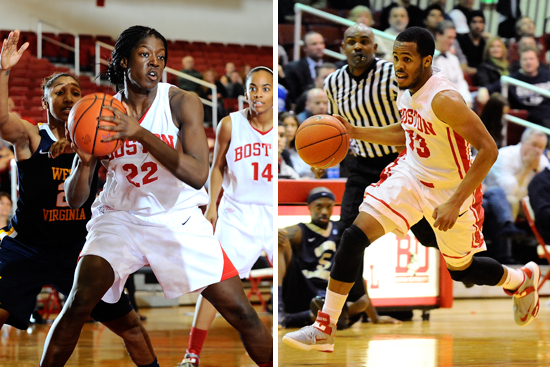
(148, 212)
(243, 167)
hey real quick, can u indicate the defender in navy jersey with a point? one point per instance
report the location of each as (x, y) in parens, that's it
(306, 255)
(41, 244)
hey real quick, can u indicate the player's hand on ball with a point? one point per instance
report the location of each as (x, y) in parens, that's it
(348, 126)
(387, 320)
(127, 127)
(318, 172)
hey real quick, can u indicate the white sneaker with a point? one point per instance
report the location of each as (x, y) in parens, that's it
(526, 297)
(319, 336)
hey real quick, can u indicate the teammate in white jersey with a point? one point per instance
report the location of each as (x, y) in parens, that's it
(148, 212)
(242, 165)
(434, 177)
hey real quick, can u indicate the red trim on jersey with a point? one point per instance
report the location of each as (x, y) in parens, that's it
(390, 208)
(456, 257)
(427, 184)
(454, 153)
(145, 114)
(261, 132)
(479, 213)
(229, 270)
(464, 151)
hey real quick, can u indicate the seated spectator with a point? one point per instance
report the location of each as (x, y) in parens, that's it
(290, 154)
(472, 43)
(206, 93)
(433, 15)
(493, 66)
(445, 35)
(316, 104)
(460, 15)
(492, 117)
(5, 208)
(235, 87)
(506, 185)
(414, 12)
(441, 4)
(509, 14)
(226, 78)
(398, 20)
(285, 171)
(306, 254)
(362, 14)
(322, 72)
(188, 68)
(523, 43)
(539, 194)
(536, 104)
(299, 74)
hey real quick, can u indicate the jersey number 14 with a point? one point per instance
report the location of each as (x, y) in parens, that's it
(266, 173)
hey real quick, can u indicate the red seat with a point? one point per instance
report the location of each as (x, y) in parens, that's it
(51, 304)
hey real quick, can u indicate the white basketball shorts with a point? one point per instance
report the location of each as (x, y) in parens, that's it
(400, 200)
(180, 248)
(245, 230)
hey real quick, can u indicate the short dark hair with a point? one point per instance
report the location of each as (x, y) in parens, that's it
(425, 43)
(309, 34)
(432, 7)
(475, 13)
(124, 46)
(48, 81)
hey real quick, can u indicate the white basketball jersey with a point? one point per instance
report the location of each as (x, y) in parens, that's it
(436, 154)
(136, 181)
(248, 176)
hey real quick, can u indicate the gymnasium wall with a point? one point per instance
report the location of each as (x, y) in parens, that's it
(226, 21)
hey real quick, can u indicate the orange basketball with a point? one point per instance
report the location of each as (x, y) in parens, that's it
(322, 141)
(83, 124)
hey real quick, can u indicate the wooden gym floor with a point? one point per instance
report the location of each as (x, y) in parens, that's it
(479, 332)
(97, 346)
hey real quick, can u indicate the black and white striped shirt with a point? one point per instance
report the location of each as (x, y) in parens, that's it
(366, 100)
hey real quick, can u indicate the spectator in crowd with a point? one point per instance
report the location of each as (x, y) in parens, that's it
(506, 185)
(445, 35)
(525, 27)
(283, 57)
(510, 13)
(441, 4)
(235, 87)
(285, 171)
(492, 117)
(460, 15)
(5, 208)
(523, 43)
(188, 68)
(414, 12)
(516, 166)
(206, 93)
(362, 14)
(539, 194)
(226, 78)
(398, 20)
(472, 43)
(493, 66)
(433, 15)
(245, 70)
(316, 104)
(306, 254)
(299, 74)
(536, 104)
(321, 73)
(290, 122)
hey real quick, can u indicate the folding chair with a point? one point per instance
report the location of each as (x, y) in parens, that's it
(542, 249)
(255, 278)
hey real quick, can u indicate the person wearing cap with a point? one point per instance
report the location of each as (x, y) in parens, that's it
(306, 255)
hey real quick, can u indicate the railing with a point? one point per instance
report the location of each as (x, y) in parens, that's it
(75, 49)
(214, 103)
(241, 100)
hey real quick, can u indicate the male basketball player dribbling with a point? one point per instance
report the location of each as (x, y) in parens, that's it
(434, 177)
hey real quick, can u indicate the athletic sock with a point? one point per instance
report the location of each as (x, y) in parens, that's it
(196, 340)
(514, 279)
(154, 364)
(334, 303)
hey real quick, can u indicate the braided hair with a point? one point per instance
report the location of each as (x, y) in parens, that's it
(124, 46)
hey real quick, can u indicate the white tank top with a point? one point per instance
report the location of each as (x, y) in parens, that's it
(248, 176)
(136, 181)
(437, 156)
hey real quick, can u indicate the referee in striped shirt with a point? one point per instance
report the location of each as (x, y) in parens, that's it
(364, 92)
